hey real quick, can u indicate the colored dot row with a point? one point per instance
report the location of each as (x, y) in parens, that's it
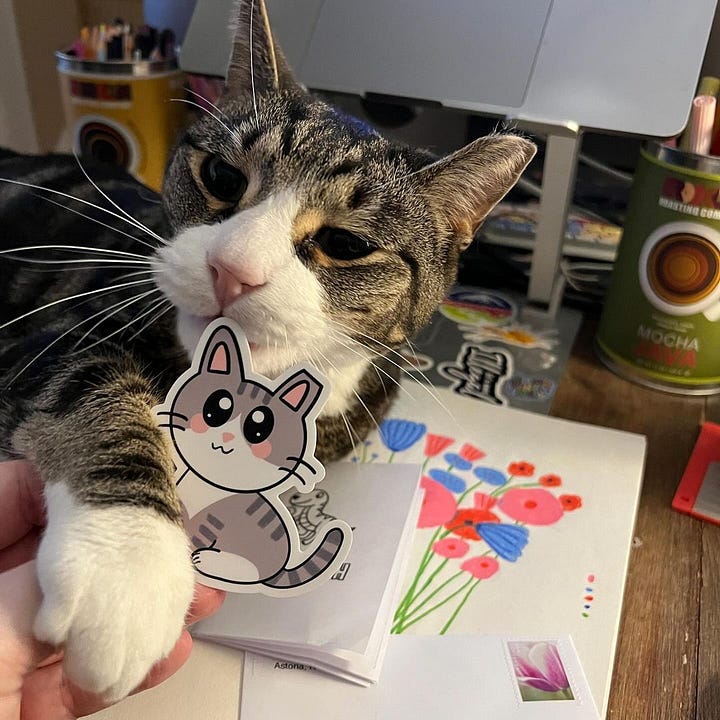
(589, 597)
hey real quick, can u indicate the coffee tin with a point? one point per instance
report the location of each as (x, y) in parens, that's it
(123, 113)
(661, 321)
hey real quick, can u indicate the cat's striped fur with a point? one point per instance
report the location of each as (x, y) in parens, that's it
(78, 392)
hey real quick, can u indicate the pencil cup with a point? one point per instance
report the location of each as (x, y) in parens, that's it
(661, 321)
(121, 112)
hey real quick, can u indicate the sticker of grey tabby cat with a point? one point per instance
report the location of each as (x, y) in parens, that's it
(322, 240)
(239, 442)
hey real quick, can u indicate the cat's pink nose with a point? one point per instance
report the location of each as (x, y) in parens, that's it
(230, 281)
(227, 437)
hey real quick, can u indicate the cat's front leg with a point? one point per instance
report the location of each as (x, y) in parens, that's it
(114, 562)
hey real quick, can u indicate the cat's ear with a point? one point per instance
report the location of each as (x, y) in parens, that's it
(221, 354)
(257, 65)
(465, 186)
(300, 392)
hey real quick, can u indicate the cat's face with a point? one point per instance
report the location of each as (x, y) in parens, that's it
(236, 433)
(310, 230)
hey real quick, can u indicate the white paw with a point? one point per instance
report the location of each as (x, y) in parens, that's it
(224, 566)
(116, 583)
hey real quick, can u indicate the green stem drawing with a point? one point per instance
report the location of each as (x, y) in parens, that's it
(421, 567)
(410, 612)
(392, 455)
(426, 584)
(401, 627)
(468, 491)
(457, 610)
(504, 488)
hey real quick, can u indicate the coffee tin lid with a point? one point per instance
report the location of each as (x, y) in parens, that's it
(67, 62)
(706, 164)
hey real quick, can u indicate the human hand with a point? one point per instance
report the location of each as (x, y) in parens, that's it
(32, 684)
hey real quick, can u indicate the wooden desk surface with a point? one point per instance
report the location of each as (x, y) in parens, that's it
(667, 665)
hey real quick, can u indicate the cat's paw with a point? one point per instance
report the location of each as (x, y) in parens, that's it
(215, 563)
(116, 583)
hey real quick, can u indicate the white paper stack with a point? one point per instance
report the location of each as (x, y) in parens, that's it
(433, 678)
(342, 627)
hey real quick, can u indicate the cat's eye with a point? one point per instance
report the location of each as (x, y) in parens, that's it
(218, 408)
(340, 244)
(222, 180)
(258, 425)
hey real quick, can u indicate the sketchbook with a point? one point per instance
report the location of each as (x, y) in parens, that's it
(343, 626)
(431, 678)
(526, 526)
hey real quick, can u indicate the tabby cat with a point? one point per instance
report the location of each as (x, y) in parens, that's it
(323, 240)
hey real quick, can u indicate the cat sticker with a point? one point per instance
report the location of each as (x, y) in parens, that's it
(239, 441)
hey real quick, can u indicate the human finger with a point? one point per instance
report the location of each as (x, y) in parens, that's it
(22, 551)
(21, 501)
(205, 602)
(48, 695)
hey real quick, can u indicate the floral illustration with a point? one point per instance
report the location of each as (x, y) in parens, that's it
(399, 435)
(476, 516)
(539, 671)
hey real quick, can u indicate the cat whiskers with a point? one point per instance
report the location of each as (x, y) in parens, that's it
(91, 218)
(208, 102)
(98, 291)
(105, 311)
(293, 471)
(87, 262)
(172, 423)
(173, 426)
(20, 183)
(165, 306)
(252, 62)
(387, 348)
(206, 111)
(171, 413)
(357, 395)
(130, 218)
(83, 268)
(121, 329)
(106, 317)
(367, 356)
(427, 386)
(77, 249)
(300, 461)
(353, 435)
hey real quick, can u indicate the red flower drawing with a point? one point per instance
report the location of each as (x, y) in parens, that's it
(483, 501)
(450, 547)
(438, 504)
(471, 453)
(465, 520)
(481, 567)
(533, 506)
(521, 469)
(570, 502)
(435, 444)
(550, 480)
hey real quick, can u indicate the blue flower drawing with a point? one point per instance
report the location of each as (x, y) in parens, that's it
(490, 475)
(457, 461)
(454, 483)
(508, 541)
(399, 435)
